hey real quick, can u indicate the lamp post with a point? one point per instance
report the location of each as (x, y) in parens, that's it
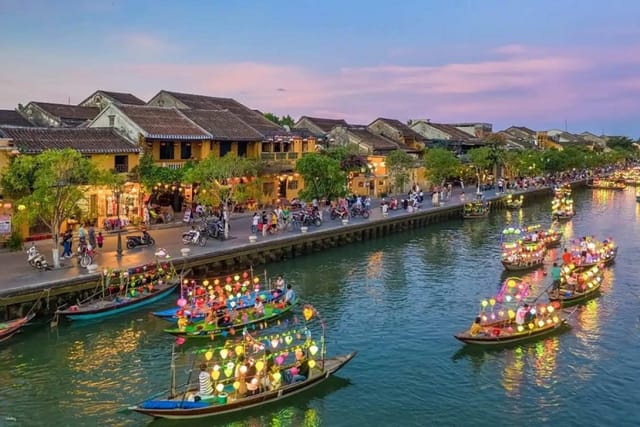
(116, 194)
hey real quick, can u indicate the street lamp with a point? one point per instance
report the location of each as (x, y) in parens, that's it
(116, 194)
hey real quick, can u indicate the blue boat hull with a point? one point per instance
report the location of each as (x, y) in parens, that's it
(116, 309)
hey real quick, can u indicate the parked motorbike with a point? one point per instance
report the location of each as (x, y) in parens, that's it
(137, 240)
(215, 229)
(195, 236)
(359, 211)
(36, 259)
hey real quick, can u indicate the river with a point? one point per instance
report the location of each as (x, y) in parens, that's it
(397, 301)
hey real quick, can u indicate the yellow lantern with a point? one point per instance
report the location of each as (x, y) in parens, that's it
(313, 350)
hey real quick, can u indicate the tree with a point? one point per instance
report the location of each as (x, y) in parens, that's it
(322, 175)
(49, 186)
(440, 164)
(281, 121)
(399, 164)
(481, 159)
(224, 181)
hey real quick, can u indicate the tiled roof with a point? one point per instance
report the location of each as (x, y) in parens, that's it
(163, 123)
(68, 112)
(325, 124)
(223, 125)
(12, 118)
(376, 142)
(455, 133)
(405, 130)
(33, 140)
(124, 98)
(247, 115)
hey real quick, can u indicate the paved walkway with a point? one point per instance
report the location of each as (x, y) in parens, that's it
(18, 273)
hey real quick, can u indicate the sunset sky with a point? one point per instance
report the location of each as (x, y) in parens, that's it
(541, 64)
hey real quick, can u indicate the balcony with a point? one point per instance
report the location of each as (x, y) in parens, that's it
(279, 156)
(171, 165)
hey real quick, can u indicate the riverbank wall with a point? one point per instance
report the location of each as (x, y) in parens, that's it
(50, 295)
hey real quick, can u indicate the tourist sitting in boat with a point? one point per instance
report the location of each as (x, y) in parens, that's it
(299, 371)
(258, 308)
(290, 295)
(206, 387)
(476, 328)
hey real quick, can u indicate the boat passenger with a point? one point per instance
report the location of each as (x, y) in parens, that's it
(206, 388)
(476, 328)
(300, 371)
(290, 295)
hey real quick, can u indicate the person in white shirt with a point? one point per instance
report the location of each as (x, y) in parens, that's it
(206, 388)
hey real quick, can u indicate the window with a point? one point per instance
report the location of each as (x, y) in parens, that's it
(242, 149)
(112, 121)
(293, 185)
(185, 150)
(225, 147)
(166, 150)
(121, 164)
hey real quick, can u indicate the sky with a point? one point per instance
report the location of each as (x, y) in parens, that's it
(544, 64)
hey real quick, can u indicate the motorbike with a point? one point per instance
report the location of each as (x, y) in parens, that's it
(195, 236)
(339, 213)
(215, 229)
(137, 240)
(359, 211)
(36, 259)
(85, 253)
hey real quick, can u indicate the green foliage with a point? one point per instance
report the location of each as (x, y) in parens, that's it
(14, 243)
(322, 175)
(282, 121)
(620, 142)
(152, 174)
(399, 165)
(49, 186)
(440, 164)
(221, 180)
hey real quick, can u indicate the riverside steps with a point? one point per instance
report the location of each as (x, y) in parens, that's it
(21, 285)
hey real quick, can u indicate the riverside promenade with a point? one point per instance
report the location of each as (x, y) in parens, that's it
(19, 278)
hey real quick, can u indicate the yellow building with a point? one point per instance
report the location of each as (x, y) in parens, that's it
(107, 149)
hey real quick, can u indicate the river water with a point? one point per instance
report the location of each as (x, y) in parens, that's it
(397, 301)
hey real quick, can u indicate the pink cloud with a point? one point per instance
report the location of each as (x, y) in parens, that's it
(521, 83)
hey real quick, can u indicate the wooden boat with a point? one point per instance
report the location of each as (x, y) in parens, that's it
(498, 337)
(202, 329)
(266, 355)
(506, 319)
(176, 407)
(514, 203)
(12, 327)
(476, 209)
(605, 184)
(524, 256)
(573, 290)
(126, 290)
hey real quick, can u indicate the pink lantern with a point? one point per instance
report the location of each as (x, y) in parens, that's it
(182, 302)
